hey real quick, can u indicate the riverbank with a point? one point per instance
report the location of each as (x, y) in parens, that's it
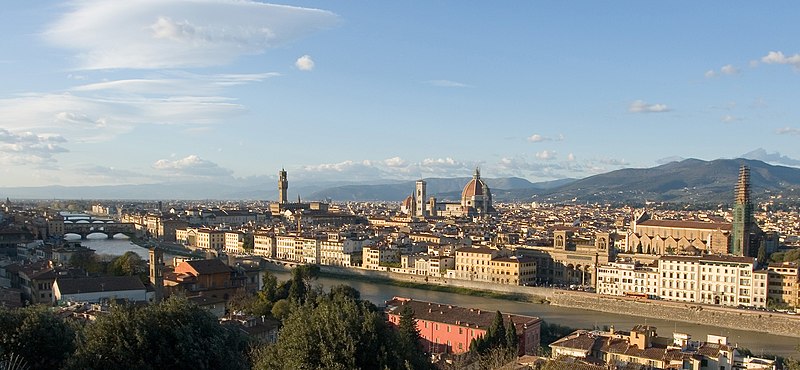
(518, 297)
(722, 317)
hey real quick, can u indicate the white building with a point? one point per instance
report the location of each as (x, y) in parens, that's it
(264, 244)
(627, 278)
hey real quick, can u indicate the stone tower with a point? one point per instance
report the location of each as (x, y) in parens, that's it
(157, 272)
(742, 215)
(419, 199)
(283, 187)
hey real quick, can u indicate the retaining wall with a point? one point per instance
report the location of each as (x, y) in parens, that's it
(761, 321)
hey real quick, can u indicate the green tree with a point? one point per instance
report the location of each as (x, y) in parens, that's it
(35, 335)
(343, 290)
(408, 339)
(334, 333)
(86, 259)
(128, 264)
(512, 341)
(248, 244)
(173, 334)
(281, 309)
(762, 254)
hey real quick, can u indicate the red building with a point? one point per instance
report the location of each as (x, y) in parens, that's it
(450, 329)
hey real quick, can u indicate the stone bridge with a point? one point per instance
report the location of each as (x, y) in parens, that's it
(110, 229)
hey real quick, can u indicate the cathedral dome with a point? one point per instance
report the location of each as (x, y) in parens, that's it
(474, 187)
(408, 203)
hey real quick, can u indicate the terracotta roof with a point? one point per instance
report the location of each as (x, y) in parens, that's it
(99, 284)
(212, 266)
(455, 315)
(474, 187)
(678, 224)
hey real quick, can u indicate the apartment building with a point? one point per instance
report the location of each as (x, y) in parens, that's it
(264, 244)
(712, 279)
(627, 278)
(512, 270)
(474, 263)
(374, 256)
(340, 251)
(784, 284)
(210, 239)
(234, 242)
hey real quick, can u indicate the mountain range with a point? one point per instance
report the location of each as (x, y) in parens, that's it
(687, 181)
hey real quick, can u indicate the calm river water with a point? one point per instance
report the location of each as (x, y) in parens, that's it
(576, 318)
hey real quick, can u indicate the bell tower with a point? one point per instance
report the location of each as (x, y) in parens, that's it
(157, 272)
(419, 197)
(283, 187)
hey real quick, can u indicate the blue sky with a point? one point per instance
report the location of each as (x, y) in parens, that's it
(109, 92)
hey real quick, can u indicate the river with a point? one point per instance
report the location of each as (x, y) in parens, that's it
(576, 318)
(118, 246)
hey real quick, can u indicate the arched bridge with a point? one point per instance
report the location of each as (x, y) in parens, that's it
(110, 229)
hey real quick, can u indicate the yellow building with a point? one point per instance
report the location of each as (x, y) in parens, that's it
(784, 284)
(512, 270)
(474, 263)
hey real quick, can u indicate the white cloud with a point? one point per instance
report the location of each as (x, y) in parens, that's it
(729, 69)
(710, 73)
(446, 83)
(192, 166)
(536, 138)
(25, 148)
(546, 155)
(395, 162)
(571, 157)
(639, 106)
(777, 57)
(304, 63)
(179, 33)
(788, 131)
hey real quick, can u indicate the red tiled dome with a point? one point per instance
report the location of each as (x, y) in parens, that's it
(474, 187)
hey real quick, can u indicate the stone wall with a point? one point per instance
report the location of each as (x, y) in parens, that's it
(761, 321)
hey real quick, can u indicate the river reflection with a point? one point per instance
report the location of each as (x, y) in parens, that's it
(576, 318)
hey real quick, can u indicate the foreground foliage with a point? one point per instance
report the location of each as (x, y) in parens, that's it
(338, 331)
(173, 334)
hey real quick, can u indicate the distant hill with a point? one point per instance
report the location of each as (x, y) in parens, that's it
(689, 181)
(434, 186)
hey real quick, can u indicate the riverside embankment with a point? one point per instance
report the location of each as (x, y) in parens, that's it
(711, 316)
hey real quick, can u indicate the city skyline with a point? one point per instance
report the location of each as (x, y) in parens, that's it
(153, 91)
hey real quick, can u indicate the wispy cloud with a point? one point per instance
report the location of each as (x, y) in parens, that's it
(446, 83)
(639, 106)
(729, 118)
(178, 33)
(778, 158)
(788, 131)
